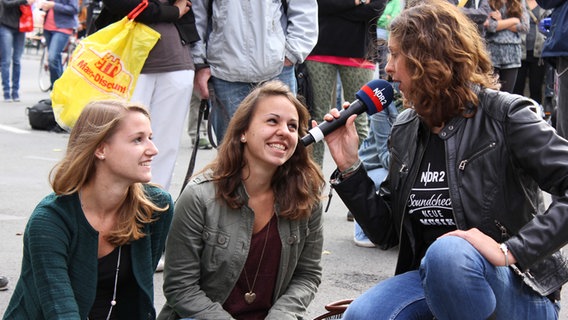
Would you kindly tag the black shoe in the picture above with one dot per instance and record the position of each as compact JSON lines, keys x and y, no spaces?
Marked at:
{"x":3,"y":283}
{"x":204,"y":144}
{"x":349,"y":216}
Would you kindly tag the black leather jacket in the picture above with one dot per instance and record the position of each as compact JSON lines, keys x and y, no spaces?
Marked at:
{"x":494,"y":162}
{"x":10,"y":12}
{"x":114,"y":10}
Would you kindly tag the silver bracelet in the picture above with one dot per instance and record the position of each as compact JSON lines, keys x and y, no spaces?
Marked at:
{"x":505,"y":250}
{"x":351,"y":169}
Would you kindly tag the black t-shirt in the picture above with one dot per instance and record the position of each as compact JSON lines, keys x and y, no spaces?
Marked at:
{"x":429,"y":206}
{"x":127,"y":289}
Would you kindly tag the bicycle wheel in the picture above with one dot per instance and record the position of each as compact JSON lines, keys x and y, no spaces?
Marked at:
{"x":43,"y":78}
{"x":68,"y":51}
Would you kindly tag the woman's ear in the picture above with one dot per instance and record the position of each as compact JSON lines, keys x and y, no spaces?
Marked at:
{"x":100,"y":152}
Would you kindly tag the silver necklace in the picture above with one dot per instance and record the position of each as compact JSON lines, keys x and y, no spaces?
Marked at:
{"x":113,"y":301}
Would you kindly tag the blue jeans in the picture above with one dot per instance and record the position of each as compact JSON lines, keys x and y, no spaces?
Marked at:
{"x":56,"y":42}
{"x":230,"y":95}
{"x":11,"y":50}
{"x":454,"y":282}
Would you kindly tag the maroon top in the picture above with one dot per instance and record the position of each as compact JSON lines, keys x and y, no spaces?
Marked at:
{"x":265,"y":281}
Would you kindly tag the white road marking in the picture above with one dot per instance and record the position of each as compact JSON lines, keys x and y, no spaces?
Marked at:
{"x":13,"y":130}
{"x":6,"y":217}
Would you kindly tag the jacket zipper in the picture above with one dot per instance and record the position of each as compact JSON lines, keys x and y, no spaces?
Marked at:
{"x":504,"y":233}
{"x":476,"y":155}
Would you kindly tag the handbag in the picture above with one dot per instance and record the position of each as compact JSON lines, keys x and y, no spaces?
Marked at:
{"x":105,"y":65}
{"x":40,"y":116}
{"x":26,"y":18}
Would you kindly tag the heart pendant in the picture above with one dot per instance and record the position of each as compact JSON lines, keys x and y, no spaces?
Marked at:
{"x":250,"y":297}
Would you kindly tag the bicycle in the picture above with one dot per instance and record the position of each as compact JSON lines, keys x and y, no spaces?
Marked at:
{"x":44,"y":79}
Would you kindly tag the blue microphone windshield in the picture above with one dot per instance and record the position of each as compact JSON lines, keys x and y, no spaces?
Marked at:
{"x":376,"y":95}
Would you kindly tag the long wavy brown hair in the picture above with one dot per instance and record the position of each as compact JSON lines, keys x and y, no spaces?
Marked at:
{"x":514,"y":7}
{"x":98,"y":122}
{"x":298,"y":183}
{"x":446,"y":59}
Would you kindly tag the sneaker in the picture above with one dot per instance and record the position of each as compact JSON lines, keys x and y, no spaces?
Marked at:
{"x":7,"y":97}
{"x":160,"y":266}
{"x":3,"y":283}
{"x":360,"y":238}
{"x":15,"y":97}
{"x":204,"y":144}
{"x":365,"y":243}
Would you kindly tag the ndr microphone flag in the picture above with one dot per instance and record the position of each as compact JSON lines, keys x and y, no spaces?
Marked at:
{"x":372,"y":98}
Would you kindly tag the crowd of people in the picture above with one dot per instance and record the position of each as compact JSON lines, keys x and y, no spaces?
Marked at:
{"x":451,"y":172}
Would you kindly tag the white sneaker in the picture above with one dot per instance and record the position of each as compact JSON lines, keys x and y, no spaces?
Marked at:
{"x":160,"y":266}
{"x":365,"y":243}
{"x":360,"y":238}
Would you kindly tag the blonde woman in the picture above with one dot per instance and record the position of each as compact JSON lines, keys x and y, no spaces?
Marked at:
{"x":91,"y":247}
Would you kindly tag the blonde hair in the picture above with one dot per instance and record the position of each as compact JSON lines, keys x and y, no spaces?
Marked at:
{"x":98,"y":122}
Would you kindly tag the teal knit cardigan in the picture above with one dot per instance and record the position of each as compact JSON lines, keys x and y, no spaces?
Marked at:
{"x":58,"y":279}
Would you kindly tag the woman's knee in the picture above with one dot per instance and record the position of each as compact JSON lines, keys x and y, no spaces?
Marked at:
{"x":450,"y":258}
{"x":398,"y":297}
{"x":448,"y":255}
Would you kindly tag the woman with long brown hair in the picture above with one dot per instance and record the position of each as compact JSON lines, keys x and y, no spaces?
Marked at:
{"x":246,"y":240}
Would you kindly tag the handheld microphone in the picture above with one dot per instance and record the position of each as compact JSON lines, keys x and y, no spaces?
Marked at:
{"x":372,"y":97}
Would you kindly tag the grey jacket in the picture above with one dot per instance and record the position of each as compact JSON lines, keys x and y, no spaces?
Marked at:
{"x":539,"y":37}
{"x":207,"y":248}
{"x":493,"y":161}
{"x":248,"y":41}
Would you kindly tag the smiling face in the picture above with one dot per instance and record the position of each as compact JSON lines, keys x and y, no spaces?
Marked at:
{"x":397,"y":66}
{"x":272,"y":135}
{"x":128,"y":153}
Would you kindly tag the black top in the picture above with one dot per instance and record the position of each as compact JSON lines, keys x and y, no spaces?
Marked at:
{"x":346,"y":30}
{"x":126,"y":288}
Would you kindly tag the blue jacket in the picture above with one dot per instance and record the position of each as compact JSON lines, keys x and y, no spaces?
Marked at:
{"x":556,"y":44}
{"x":65,"y":14}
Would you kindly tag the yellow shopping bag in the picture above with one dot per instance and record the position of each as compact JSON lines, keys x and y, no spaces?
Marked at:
{"x":105,"y":65}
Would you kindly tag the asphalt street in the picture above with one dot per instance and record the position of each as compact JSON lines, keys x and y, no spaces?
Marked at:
{"x":28,"y":156}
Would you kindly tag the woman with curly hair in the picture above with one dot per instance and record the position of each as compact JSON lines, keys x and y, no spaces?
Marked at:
{"x":461,"y":196}
{"x":91,"y":247}
{"x":246,"y":240}
{"x":504,"y":25}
